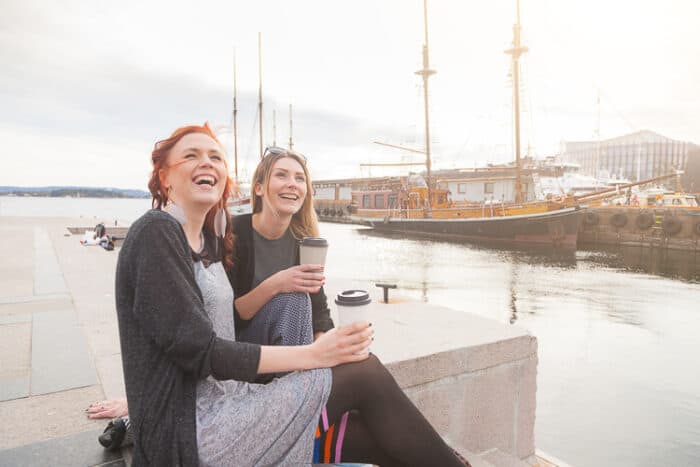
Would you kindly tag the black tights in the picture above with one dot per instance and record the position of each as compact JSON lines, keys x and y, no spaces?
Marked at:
{"x":385,"y":427}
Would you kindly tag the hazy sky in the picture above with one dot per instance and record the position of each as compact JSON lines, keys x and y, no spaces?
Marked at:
{"x":87,"y":87}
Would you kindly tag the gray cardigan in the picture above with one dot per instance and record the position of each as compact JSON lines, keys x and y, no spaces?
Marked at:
{"x":167,"y":341}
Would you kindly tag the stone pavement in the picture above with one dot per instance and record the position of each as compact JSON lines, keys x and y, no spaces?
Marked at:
{"x":59,"y":343}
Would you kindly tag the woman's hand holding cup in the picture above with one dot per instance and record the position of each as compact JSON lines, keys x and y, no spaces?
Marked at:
{"x":343,"y":345}
{"x":307,"y":278}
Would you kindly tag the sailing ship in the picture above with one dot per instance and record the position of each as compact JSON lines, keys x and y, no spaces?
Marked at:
{"x":425,"y":208}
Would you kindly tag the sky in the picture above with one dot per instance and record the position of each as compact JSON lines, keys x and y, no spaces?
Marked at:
{"x":87,"y":87}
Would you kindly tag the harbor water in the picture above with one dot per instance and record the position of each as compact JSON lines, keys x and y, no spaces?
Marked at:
{"x":617,"y":330}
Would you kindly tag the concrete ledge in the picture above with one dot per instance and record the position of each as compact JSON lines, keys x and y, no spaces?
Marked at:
{"x":473,"y":378}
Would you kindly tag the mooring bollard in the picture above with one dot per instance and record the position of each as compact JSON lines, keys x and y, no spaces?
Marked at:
{"x":386,"y":288}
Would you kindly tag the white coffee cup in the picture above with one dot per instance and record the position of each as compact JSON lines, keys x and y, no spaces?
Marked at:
{"x":353,"y":306}
{"x":312,"y":250}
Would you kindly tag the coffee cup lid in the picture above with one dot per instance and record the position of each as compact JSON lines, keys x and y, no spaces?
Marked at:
{"x":314,"y":241}
{"x":352,"y":298}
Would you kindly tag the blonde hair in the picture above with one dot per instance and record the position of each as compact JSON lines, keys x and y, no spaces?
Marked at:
{"x":304,"y":222}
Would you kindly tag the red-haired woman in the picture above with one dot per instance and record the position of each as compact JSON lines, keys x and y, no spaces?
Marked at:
{"x":189,"y":382}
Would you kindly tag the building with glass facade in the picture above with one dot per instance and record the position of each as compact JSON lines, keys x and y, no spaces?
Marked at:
{"x":634,"y":157}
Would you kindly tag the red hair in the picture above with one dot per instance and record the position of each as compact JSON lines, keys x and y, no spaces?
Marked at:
{"x":159,"y":158}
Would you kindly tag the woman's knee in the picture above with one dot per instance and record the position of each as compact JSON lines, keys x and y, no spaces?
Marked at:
{"x":290,"y":307}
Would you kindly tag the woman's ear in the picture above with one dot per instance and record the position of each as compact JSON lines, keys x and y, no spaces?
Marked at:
{"x":163,"y":177}
{"x":259,"y":190}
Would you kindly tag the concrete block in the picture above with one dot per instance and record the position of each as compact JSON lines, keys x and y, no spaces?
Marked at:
{"x":526,"y":408}
{"x":60,"y":358}
{"x":488,"y":409}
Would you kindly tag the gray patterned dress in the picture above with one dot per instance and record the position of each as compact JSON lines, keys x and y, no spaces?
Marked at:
{"x":246,"y":424}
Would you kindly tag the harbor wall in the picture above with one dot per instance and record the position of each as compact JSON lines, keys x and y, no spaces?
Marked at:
{"x":668,"y":228}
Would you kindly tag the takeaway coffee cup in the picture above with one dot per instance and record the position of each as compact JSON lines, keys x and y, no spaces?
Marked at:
{"x":353,"y":305}
{"x":313,"y":250}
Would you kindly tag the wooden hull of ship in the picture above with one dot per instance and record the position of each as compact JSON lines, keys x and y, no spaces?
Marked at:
{"x":557,"y":229}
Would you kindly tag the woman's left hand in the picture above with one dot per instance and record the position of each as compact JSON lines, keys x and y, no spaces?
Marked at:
{"x":108,"y":409}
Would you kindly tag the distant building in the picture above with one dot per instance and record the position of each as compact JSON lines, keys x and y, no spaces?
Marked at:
{"x":636,"y":156}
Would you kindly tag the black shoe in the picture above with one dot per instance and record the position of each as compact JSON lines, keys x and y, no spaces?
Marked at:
{"x":116,"y":435}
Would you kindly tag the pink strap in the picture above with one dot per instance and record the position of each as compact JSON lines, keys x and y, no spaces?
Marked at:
{"x":341,"y":435}
{"x":324,"y":417}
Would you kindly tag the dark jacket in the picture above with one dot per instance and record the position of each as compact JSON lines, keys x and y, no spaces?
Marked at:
{"x":167,"y":341}
{"x":243,"y":271}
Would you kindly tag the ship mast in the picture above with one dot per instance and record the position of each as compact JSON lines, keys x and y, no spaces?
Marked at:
{"x":260,"y":102}
{"x":515,"y":53}
{"x":291,"y":144}
{"x":425,"y":73}
{"x":235,"y":119}
{"x":274,"y":127}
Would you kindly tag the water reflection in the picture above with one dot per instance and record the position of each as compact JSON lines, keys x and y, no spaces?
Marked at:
{"x":675,"y":264}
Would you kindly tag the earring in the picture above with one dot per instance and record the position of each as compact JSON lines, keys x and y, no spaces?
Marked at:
{"x":220,"y":223}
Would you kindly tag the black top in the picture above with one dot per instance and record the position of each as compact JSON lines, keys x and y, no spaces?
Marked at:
{"x":241,"y":275}
{"x":272,"y":256}
{"x":167,"y":341}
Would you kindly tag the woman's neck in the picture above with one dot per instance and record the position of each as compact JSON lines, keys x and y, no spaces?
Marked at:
{"x":194,"y":222}
{"x":193,"y":230}
{"x":269,"y":225}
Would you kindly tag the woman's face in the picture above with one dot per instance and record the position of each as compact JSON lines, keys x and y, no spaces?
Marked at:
{"x":196,"y":173}
{"x":286,"y":188}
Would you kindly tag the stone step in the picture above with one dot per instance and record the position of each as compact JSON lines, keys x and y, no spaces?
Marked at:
{"x":80,"y":449}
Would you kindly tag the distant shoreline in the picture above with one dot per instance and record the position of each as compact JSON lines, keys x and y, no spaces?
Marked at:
{"x":71,"y":192}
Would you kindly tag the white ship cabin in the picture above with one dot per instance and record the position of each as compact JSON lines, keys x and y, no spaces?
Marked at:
{"x":492,"y":189}
{"x":330,"y":190}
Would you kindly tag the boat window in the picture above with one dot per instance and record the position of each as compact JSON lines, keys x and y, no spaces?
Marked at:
{"x":461,"y":188}
{"x":365,"y":201}
{"x":393,"y":204}
{"x":379,"y":201}
{"x":488,"y":188}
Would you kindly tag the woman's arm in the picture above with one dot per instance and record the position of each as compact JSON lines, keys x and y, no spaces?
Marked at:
{"x":335,"y":347}
{"x":304,"y":278}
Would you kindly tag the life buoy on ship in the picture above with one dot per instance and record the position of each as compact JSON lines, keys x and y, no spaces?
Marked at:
{"x":644,"y":220}
{"x":339,"y":212}
{"x":697,"y":228}
{"x":618,"y":220}
{"x":318,"y":211}
{"x":591,"y":218}
{"x":672,"y":225}
{"x":325,"y":212}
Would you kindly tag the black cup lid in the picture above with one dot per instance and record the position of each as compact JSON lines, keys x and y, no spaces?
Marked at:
{"x":314,"y":241}
{"x":352,"y":298}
